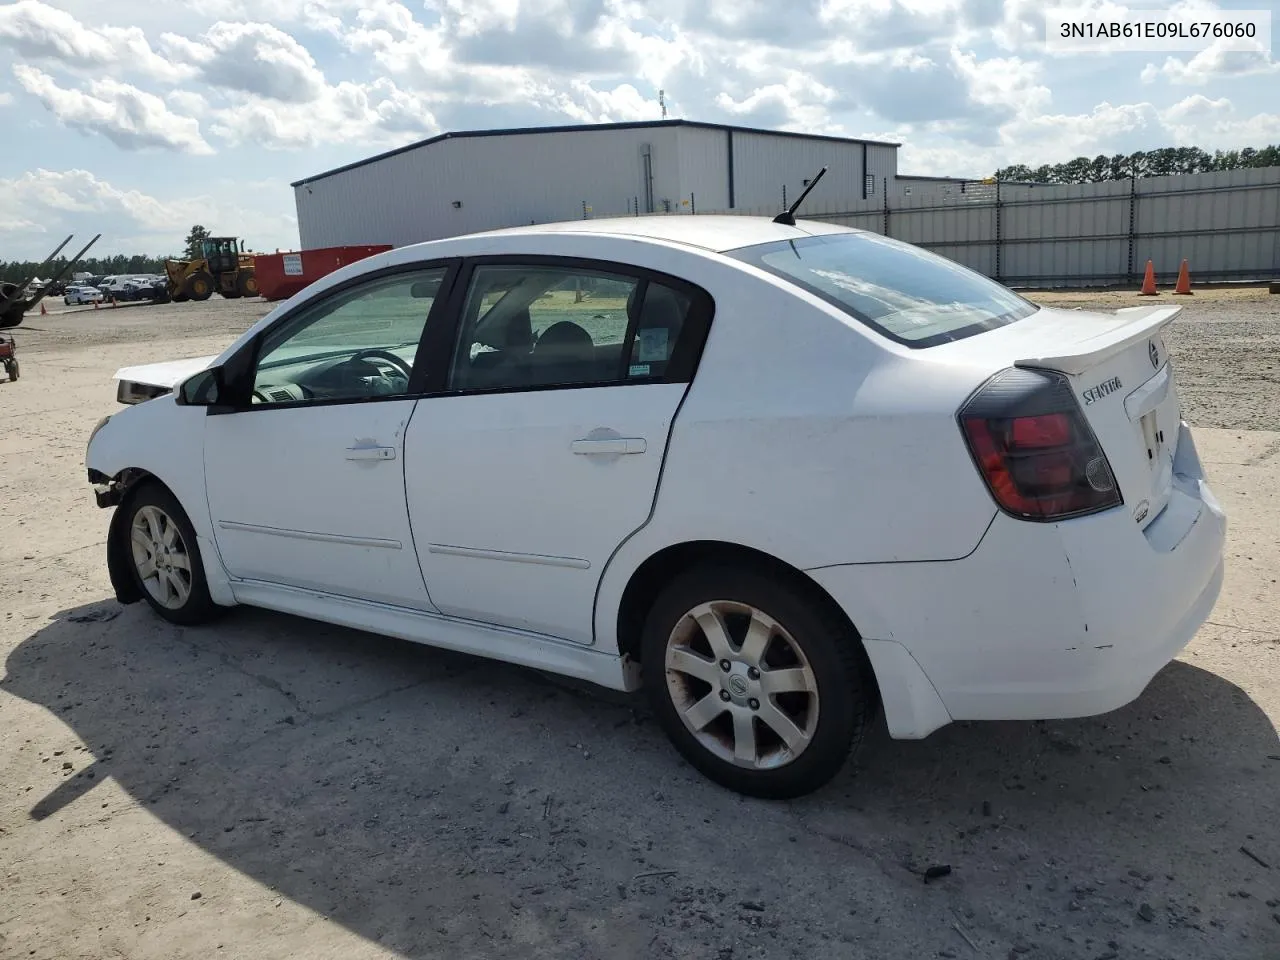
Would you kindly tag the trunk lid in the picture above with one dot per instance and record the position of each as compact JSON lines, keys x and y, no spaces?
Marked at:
{"x":1119,"y":370}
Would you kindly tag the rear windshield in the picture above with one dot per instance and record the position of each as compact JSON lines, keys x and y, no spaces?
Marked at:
{"x":906,"y":293}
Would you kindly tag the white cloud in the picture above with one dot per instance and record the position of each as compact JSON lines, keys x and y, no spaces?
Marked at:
{"x":1214,"y":125}
{"x":131,"y":118}
{"x":256,"y":58}
{"x":75,"y":200}
{"x":586,"y":104}
{"x":1002,"y":82}
{"x":1197,"y":105}
{"x":377,"y":114}
{"x":1210,"y":64}
{"x":799,"y":102}
{"x":37,"y":31}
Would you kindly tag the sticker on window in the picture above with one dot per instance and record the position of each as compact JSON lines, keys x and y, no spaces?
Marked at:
{"x":653,"y":345}
{"x":639,"y":370}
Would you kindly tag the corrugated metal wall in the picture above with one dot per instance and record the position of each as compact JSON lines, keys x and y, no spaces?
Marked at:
{"x":765,"y":168}
{"x":1226,"y":224}
{"x":704,"y":166}
{"x":498,"y":181}
{"x":511,"y":179}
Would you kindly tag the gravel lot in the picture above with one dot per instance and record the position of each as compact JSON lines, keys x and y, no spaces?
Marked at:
{"x":272,"y":788}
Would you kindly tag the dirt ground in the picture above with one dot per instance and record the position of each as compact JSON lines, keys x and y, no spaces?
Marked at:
{"x":275,"y":788}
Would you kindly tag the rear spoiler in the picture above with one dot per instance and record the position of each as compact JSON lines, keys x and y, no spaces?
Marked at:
{"x":1097,"y":344}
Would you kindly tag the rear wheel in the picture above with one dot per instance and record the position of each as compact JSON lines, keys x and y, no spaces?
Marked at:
{"x":164,"y":556}
{"x":247,"y":283}
{"x":200,"y":286}
{"x":181,"y":297}
{"x":758,"y":688}
{"x":11,"y":368}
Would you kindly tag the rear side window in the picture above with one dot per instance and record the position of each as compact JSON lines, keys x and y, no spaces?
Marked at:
{"x":540,"y":325}
{"x":902,"y":291}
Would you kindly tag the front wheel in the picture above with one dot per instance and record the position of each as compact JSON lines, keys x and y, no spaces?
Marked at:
{"x":200,"y":286}
{"x":758,"y":688}
{"x":164,"y":556}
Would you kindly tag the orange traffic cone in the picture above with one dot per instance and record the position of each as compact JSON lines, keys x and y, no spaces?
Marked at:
{"x":95,"y":304}
{"x":113,"y":301}
{"x":1149,"y":282}
{"x":1184,"y":280}
{"x":43,"y":311}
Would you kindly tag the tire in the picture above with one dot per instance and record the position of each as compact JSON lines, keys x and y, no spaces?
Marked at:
{"x":200,"y":286}
{"x":831,"y":700}
{"x":180,"y":297}
{"x":12,"y":369}
{"x":160,"y":534}
{"x":247,"y":284}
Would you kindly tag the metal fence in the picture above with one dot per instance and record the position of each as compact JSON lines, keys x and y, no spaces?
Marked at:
{"x":1225,"y":224}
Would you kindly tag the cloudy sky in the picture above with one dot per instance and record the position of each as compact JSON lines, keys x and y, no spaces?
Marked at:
{"x":138,"y":118}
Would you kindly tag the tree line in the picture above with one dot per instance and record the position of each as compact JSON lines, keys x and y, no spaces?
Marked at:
{"x":1145,"y":163}
{"x":16,"y":271}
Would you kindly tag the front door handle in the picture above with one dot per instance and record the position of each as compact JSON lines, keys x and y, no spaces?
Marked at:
{"x":610,"y":447}
{"x":371,"y":453}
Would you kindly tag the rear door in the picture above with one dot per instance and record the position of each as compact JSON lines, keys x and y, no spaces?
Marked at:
{"x":545,"y":452}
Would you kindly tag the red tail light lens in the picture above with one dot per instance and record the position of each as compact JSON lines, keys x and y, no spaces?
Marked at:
{"x":1034,"y":448}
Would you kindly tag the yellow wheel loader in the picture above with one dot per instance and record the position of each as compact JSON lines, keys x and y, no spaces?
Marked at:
{"x":222,"y":267}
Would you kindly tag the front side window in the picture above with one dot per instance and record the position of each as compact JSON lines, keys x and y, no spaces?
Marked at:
{"x":537,"y":326}
{"x":902,"y":291}
{"x":358,"y":344}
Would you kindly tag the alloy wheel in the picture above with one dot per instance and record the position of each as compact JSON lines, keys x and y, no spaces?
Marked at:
{"x":161,"y":557}
{"x":742,"y":685}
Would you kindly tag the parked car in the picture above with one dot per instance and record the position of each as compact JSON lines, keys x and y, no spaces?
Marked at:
{"x":155,"y":289}
{"x":120,"y":288}
{"x":80,"y":293}
{"x":776,"y":475}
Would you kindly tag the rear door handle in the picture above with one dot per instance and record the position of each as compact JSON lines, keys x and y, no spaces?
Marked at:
{"x":371,"y":453}
{"x":610,"y":447}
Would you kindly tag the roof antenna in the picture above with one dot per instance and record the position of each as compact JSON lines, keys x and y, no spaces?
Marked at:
{"x":788,"y":216}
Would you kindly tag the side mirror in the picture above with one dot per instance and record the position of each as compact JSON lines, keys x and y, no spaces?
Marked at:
{"x":201,"y":390}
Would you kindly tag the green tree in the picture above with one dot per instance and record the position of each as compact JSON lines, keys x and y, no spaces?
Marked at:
{"x":1153,"y":163}
{"x":197,"y":235}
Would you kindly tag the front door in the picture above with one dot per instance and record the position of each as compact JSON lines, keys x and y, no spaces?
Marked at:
{"x":306,"y":484}
{"x":545,"y":452}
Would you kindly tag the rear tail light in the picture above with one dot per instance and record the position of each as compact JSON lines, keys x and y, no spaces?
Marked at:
{"x":1034,"y":448}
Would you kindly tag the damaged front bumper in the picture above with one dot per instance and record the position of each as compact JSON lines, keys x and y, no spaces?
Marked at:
{"x":105,"y":490}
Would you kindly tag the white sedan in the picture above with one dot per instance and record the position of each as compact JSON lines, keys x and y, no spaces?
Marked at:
{"x":780,"y":476}
{"x":79,"y":293}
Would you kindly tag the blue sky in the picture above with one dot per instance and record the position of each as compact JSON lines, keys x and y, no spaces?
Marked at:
{"x":138,"y":118}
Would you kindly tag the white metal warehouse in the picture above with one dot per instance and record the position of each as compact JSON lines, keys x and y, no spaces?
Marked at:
{"x":485,"y":179}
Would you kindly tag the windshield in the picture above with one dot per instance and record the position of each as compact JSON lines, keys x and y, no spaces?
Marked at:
{"x":904,"y":292}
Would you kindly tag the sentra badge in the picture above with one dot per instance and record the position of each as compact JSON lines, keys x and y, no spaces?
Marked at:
{"x":1103,"y":389}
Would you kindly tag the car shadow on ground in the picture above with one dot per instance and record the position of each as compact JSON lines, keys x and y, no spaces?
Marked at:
{"x":434,"y":802}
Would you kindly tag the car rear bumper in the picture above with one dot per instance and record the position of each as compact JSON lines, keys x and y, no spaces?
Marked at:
{"x":1044,"y":621}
